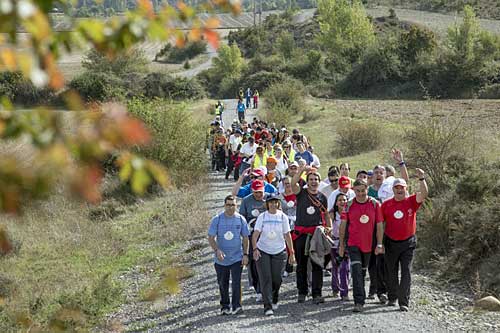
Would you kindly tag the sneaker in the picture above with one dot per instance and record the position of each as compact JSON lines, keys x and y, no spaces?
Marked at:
{"x":335,"y":294}
{"x":275,"y":306}
{"x":382,"y":299}
{"x":318,"y":300}
{"x":345,"y":298}
{"x":225,"y":312}
{"x":392,"y":302}
{"x":370,"y":296}
{"x":258,"y":298}
{"x":403,"y":308}
{"x":269,"y":312}
{"x":358,"y":308}
{"x":301,"y":298}
{"x":285,"y":274}
{"x":237,"y":311}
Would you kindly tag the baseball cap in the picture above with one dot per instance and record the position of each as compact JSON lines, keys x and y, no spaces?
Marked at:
{"x":258,"y":173}
{"x":399,"y":182}
{"x":257,"y":185}
{"x":294,"y":163}
{"x":344,"y":182}
{"x":369,"y":173}
{"x":272,"y":196}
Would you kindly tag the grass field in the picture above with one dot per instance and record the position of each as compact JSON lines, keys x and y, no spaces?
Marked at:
{"x":395,"y":116}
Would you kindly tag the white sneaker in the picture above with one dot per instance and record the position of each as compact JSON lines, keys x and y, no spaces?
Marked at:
{"x":225,"y":312}
{"x":275,"y":306}
{"x":285,"y":274}
{"x":269,"y":312}
{"x":237,"y":311}
{"x":258,"y":297}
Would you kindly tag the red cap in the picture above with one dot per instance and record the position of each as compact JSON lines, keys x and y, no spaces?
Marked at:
{"x":257,"y":185}
{"x":344,"y":182}
{"x":258,"y":173}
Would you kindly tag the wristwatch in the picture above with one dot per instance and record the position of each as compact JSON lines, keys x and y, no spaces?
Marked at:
{"x":380,"y":246}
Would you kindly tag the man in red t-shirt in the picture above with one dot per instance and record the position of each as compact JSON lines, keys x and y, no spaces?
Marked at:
{"x":361,"y":214}
{"x":400,"y":216}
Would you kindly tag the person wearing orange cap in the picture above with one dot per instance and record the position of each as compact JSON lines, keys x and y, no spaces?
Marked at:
{"x":345,"y":188}
{"x":273,"y":175}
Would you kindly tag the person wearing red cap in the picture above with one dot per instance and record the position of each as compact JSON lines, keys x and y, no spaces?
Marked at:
{"x":345,"y":188}
{"x":255,"y":174}
{"x":251,"y":207}
{"x":361,"y":214}
{"x":400,"y":215}
{"x":311,"y":213}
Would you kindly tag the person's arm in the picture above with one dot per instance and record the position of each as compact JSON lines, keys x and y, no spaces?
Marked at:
{"x":244,"y":262}
{"x":343,"y":225}
{"x":398,"y":157}
{"x":237,"y":185}
{"x":380,"y":235}
{"x":296,"y":179}
{"x":424,"y":190}
{"x":255,"y":238}
{"x":213,"y":245}
{"x":328,"y":221}
{"x":291,"y":252}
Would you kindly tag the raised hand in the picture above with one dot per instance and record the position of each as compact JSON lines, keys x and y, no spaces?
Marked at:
{"x":419,"y":173}
{"x":397,"y":155}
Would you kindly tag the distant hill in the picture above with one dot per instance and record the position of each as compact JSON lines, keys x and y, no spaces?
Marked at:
{"x":483,"y":8}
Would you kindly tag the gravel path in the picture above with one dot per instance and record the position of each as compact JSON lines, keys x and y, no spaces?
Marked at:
{"x":196,"y":307}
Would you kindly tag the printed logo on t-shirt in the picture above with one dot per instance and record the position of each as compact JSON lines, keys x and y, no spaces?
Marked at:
{"x":272,"y":235}
{"x":290,"y":204}
{"x":228,"y":235}
{"x":364,"y":219}
{"x":255,"y":212}
{"x":310,"y":210}
{"x":398,"y":214}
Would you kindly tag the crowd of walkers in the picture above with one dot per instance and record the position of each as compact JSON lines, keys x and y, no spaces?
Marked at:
{"x":290,"y":218}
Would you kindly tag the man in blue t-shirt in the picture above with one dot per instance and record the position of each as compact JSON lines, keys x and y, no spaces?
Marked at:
{"x":241,"y":110}
{"x":228,"y":236}
{"x":303,"y":153}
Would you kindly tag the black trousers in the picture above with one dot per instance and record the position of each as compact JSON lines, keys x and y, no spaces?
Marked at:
{"x":223,"y":274}
{"x":359,"y":266}
{"x":253,"y":275}
{"x":399,"y":253}
{"x":376,"y":270}
{"x":231,"y":168}
{"x":299,"y":246}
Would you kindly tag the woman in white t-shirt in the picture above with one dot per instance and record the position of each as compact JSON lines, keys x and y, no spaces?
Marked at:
{"x":270,"y":238}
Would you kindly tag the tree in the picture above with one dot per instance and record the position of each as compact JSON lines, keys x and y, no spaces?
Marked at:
{"x":229,"y":62}
{"x":75,"y":159}
{"x":346,"y":31}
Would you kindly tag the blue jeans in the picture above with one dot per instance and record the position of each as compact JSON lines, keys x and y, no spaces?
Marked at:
{"x":223,"y":273}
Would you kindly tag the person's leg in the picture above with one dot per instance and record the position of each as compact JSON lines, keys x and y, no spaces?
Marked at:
{"x":253,"y":276}
{"x":230,"y":165}
{"x":236,"y":285}
{"x":223,"y":281}
{"x":335,"y":271}
{"x":278,"y":262}
{"x":317,"y":279}
{"x":391,"y":263}
{"x":357,"y":275}
{"x":344,"y":277}
{"x":381,"y":279}
{"x":406,"y":260}
{"x":365,"y":260}
{"x":372,"y":271}
{"x":299,"y":247}
{"x":264,"y":268}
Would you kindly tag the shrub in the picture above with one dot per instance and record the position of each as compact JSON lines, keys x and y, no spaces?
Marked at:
{"x":132,"y":61}
{"x":278,"y":113}
{"x":287,"y":95}
{"x":95,"y":86}
{"x":356,"y":137}
{"x":176,"y":88}
{"x":179,"y":140}
{"x":262,"y":80}
{"x":178,"y":55}
{"x":21,"y":91}
{"x":440,"y":147}
{"x":306,"y":69}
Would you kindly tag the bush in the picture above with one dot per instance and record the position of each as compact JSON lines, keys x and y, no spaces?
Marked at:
{"x":178,"y":55}
{"x":179,"y":140}
{"x":21,"y":91}
{"x":262,"y":80}
{"x":132,"y":61}
{"x":440,"y":147}
{"x":288,"y":95}
{"x":277,"y":113}
{"x":356,"y":137}
{"x":95,"y":86}
{"x":176,"y":88}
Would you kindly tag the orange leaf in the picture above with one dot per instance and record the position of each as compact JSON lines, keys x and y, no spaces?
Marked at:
{"x":147,"y":7}
{"x":5,"y":245}
{"x":134,"y":132}
{"x":8,"y":58}
{"x":195,"y":34}
{"x":212,"y":38}
{"x":87,"y":182}
{"x":212,"y":23}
